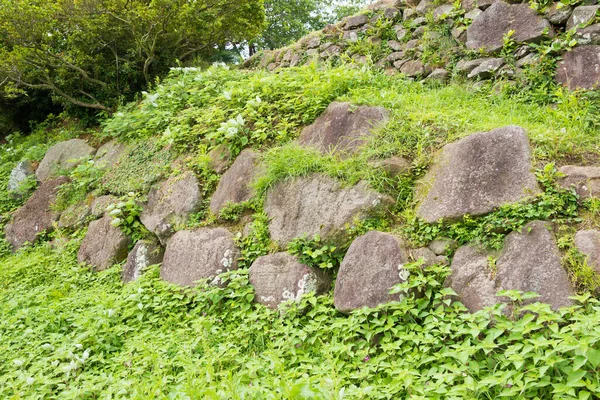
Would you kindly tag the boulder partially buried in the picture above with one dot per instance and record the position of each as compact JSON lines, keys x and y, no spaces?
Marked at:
{"x":63,"y":156}
{"x":36,"y":215}
{"x":580,"y":68}
{"x":585,"y":180}
{"x":489,"y":29}
{"x":281,"y":277}
{"x":529,"y":262}
{"x":317,"y":204}
{"x":104,"y":245}
{"x":171,"y":203}
{"x":194,"y":255}
{"x":343,"y":127}
{"x":588,"y":244}
{"x":143,"y":254}
{"x":478,"y":174}
{"x":234,"y":186}
{"x":18,"y":175}
{"x":372,"y":266}
{"x":109,"y":153}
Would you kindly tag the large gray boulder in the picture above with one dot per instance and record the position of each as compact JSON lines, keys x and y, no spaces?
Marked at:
{"x":588,"y":244}
{"x":104,"y":245}
{"x":194,"y":255}
{"x":36,"y":215}
{"x":19,"y":174}
{"x":109,"y":153}
{"x":529,"y":262}
{"x":489,"y":28}
{"x":170,"y":204}
{"x":317,"y":204}
{"x":343,"y":128}
{"x":372,"y":266}
{"x":144,"y":254}
{"x":585,"y":180}
{"x":477,"y":174}
{"x":63,"y":156}
{"x":281,"y":277}
{"x":580,"y":68}
{"x":235,"y":185}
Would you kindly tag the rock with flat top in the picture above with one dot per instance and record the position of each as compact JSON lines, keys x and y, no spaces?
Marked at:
{"x":585,"y":180}
{"x":478,"y":174}
{"x":63,"y":156}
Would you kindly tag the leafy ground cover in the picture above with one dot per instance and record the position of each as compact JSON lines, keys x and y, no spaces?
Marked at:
{"x":68,"y":332}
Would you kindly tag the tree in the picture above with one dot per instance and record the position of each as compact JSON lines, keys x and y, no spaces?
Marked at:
{"x":288,"y":21}
{"x":96,"y":53}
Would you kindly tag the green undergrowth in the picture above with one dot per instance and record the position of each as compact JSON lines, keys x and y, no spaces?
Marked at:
{"x":67,"y":332}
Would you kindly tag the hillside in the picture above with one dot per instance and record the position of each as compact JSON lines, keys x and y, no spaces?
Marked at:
{"x":323,"y":224}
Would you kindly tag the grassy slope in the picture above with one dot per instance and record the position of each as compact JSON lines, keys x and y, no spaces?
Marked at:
{"x":72,"y":333}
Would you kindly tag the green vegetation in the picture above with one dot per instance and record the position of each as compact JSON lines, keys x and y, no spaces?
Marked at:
{"x":69,"y":332}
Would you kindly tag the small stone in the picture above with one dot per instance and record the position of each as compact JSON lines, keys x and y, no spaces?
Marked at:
{"x":580,"y":68}
{"x":559,"y":13}
{"x":19,"y":174}
{"x":467,"y":66}
{"x":427,"y":256}
{"x":394,"y":45}
{"x":412,"y":44}
{"x":588,"y":35}
{"x":460,"y":35}
{"x":280,"y":277}
{"x":194,"y":255}
{"x":401,"y":33}
{"x":395,"y":56}
{"x":425,"y":6}
{"x":391,"y":13}
{"x":143,"y":255}
{"x":419,"y":22}
{"x":585,"y":180}
{"x":350,"y":36}
{"x":63,"y":156}
{"x":413,"y":68}
{"x":399,"y":63}
{"x":220,"y":157}
{"x":373,"y":264}
{"x":487,"y":69}
{"x":582,"y":15}
{"x":409,"y":13}
{"x":313,"y":42}
{"x":442,"y":11}
{"x":356,"y":21}
{"x":394,"y":166}
{"x":529,"y":59}
{"x":439,"y":74}
{"x":104,"y":245}
{"x":235,"y":185}
{"x":36,"y":215}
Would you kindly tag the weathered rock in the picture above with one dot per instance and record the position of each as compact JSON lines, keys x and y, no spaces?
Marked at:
{"x":580,"y":68}
{"x":394,"y":45}
{"x":401,"y":33}
{"x":529,"y":262}
{"x":235,"y":185}
{"x":409,"y":13}
{"x":588,"y":35}
{"x":372,"y":266}
{"x":414,"y":68}
{"x":476,"y":12}
{"x":488,"y":30}
{"x":280,"y":277}
{"x":395,"y":56}
{"x":441,"y":246}
{"x":194,"y":255}
{"x":385,"y":4}
{"x":394,"y":166}
{"x":356,"y":21}
{"x":143,"y":255}
{"x":467,"y":66}
{"x":317,"y":204}
{"x":104,"y":245}
{"x":585,"y":180}
{"x":331,"y":51}
{"x":100,"y":204}
{"x":441,"y":11}
{"x":582,"y":15}
{"x":529,"y":59}
{"x":343,"y":128}
{"x":425,"y":6}
{"x":19,"y":174}
{"x":63,"y":156}
{"x":459,"y":34}
{"x":588,"y":243}
{"x":109,"y":153}
{"x":479,"y":173}
{"x":427,"y":257}
{"x":473,"y":4}
{"x":313,"y":42}
{"x":559,"y":13}
{"x":350,"y":36}
{"x":74,"y":216}
{"x":487,"y":69}
{"x":170,"y":204}
{"x":472,"y":278}
{"x":36,"y":215}
{"x":439,"y":74}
